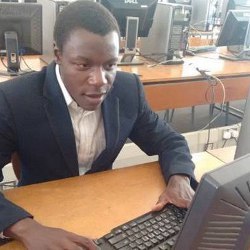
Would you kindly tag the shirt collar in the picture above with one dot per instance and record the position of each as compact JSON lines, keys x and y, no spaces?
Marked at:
{"x":67,"y":97}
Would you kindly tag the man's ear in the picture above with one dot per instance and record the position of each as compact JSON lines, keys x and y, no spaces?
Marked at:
{"x":57,"y":53}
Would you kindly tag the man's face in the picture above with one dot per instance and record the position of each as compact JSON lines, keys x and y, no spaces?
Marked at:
{"x":88,"y":64}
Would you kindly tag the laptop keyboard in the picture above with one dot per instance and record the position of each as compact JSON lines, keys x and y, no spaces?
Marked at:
{"x":154,"y":230}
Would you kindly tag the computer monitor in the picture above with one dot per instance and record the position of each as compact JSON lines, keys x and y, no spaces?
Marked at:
{"x":243,"y":142}
{"x":233,"y":5}
{"x":235,"y":34}
{"x":20,"y":31}
{"x":135,"y":18}
{"x":219,"y":216}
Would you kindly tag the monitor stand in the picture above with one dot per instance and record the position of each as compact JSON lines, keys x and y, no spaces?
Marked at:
{"x":129,"y":58}
{"x":129,"y":55}
{"x":242,"y":55}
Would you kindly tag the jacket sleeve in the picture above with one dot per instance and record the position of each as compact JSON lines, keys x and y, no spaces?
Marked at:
{"x":155,"y":137}
{"x":9,"y":212}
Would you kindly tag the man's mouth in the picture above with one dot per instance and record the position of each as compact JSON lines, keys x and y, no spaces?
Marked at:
{"x":95,"y":98}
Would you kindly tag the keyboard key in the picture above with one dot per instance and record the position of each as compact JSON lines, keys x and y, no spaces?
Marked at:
{"x":108,"y":236}
{"x":129,"y":232}
{"x":122,"y":243}
{"x":142,"y":247}
{"x":165,"y":247}
{"x":133,"y":245}
{"x":117,"y":238}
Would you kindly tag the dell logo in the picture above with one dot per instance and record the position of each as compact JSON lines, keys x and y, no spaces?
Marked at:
{"x":131,"y":1}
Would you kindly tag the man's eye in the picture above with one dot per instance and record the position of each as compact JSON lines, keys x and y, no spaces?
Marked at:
{"x":111,"y":66}
{"x":82,"y":65}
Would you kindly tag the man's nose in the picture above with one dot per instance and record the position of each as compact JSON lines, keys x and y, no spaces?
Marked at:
{"x":98,"y":76}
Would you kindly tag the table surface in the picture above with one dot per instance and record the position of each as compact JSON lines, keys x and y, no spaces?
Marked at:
{"x":188,"y":71}
{"x":179,"y":86}
{"x":92,"y":205}
{"x":168,"y":73}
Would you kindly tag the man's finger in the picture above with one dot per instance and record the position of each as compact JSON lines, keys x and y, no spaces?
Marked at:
{"x":84,"y":242}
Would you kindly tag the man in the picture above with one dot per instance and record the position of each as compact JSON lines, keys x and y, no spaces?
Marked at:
{"x":74,"y":116}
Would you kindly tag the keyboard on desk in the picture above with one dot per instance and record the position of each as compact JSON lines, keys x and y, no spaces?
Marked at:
{"x":202,"y":49}
{"x":154,"y":230}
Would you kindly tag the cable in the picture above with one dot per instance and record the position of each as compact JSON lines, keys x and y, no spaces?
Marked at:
{"x":224,"y":144}
{"x":167,"y":62}
{"x":22,"y":59}
{"x":10,"y":72}
{"x":2,"y":61}
{"x":25,"y":71}
{"x":213,"y":81}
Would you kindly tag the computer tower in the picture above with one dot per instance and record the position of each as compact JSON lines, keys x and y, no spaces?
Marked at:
{"x":51,"y":8}
{"x":168,"y":35}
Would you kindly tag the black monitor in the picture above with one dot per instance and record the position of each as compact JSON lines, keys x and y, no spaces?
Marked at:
{"x":135,"y":18}
{"x":235,"y":34}
{"x":233,"y":5}
{"x":219,"y":216}
{"x":243,"y":142}
{"x":20,"y":31}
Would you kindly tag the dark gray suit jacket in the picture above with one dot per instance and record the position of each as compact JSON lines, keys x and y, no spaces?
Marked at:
{"x":35,"y":122}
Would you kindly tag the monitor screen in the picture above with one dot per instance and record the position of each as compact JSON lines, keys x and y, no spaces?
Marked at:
{"x":143,"y":9}
{"x":235,"y":30}
{"x":26,"y":20}
{"x":219,"y":216}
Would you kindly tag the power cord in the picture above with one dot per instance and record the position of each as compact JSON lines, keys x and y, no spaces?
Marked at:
{"x":9,"y":72}
{"x":213,"y":81}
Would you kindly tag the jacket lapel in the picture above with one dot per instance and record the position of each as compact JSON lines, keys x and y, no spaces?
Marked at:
{"x":59,"y":119}
{"x":111,"y":119}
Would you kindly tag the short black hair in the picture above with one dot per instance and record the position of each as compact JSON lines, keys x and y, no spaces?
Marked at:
{"x":84,"y":14}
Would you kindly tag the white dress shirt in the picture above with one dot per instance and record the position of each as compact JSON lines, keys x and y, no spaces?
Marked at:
{"x":88,"y":129}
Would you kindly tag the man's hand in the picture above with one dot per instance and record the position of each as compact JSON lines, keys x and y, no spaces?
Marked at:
{"x":35,"y":236}
{"x":178,"y":192}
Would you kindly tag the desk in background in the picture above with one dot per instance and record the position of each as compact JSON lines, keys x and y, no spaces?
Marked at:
{"x":92,"y":205}
{"x":179,"y":86}
{"x":225,"y":154}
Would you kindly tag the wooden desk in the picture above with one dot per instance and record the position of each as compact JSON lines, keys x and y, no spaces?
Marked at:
{"x":33,"y":62}
{"x":177,"y":86}
{"x":92,"y":205}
